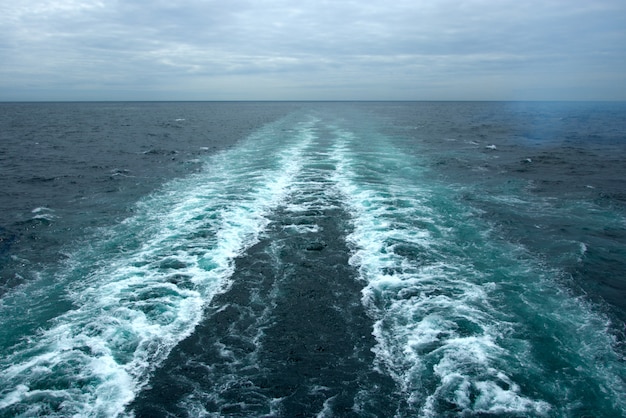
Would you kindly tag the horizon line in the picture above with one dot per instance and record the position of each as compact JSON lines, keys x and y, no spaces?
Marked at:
{"x":321,"y":101}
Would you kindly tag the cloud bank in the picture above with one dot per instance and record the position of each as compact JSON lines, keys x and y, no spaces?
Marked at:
{"x":313,"y":50}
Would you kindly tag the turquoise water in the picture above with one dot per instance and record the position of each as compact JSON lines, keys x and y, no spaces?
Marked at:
{"x":342,"y":260}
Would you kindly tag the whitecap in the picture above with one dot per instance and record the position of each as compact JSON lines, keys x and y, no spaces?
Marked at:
{"x":441,"y":330}
{"x":41,"y":209}
{"x":141,"y":287}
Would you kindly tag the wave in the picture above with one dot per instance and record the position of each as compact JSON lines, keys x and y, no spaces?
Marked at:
{"x":140,"y":288}
{"x":463,"y":318}
{"x":466,"y":321}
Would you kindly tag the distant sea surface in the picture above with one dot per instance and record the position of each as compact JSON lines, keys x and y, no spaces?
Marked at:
{"x":340,"y":259}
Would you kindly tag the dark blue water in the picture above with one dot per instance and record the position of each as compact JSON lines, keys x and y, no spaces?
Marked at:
{"x":313,"y":259}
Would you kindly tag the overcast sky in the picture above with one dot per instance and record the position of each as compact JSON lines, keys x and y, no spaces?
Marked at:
{"x":313,"y":50}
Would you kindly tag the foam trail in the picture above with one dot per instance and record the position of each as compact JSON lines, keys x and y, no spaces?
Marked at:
{"x":462,"y":318}
{"x":141,"y":288}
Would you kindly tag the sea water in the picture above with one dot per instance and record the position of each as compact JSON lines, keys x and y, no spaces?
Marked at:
{"x":313,"y":259}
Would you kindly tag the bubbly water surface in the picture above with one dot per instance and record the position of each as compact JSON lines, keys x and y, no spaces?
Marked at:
{"x":337,"y":259}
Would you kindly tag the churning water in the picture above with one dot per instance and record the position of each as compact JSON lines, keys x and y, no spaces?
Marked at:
{"x":313,"y":259}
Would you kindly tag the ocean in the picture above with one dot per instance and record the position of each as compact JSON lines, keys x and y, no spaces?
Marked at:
{"x":318,"y":259}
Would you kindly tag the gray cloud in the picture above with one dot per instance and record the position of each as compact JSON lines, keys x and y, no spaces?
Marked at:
{"x":313,"y":49}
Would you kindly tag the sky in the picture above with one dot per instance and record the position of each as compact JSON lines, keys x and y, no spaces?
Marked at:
{"x":312,"y":50}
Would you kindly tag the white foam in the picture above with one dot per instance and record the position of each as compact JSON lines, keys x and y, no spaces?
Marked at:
{"x":151,"y":279}
{"x":44,"y":213}
{"x":327,"y":409}
{"x":434,"y":316}
{"x":45,"y":216}
{"x":303,"y":229}
{"x":41,"y":209}
{"x":14,"y":396}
